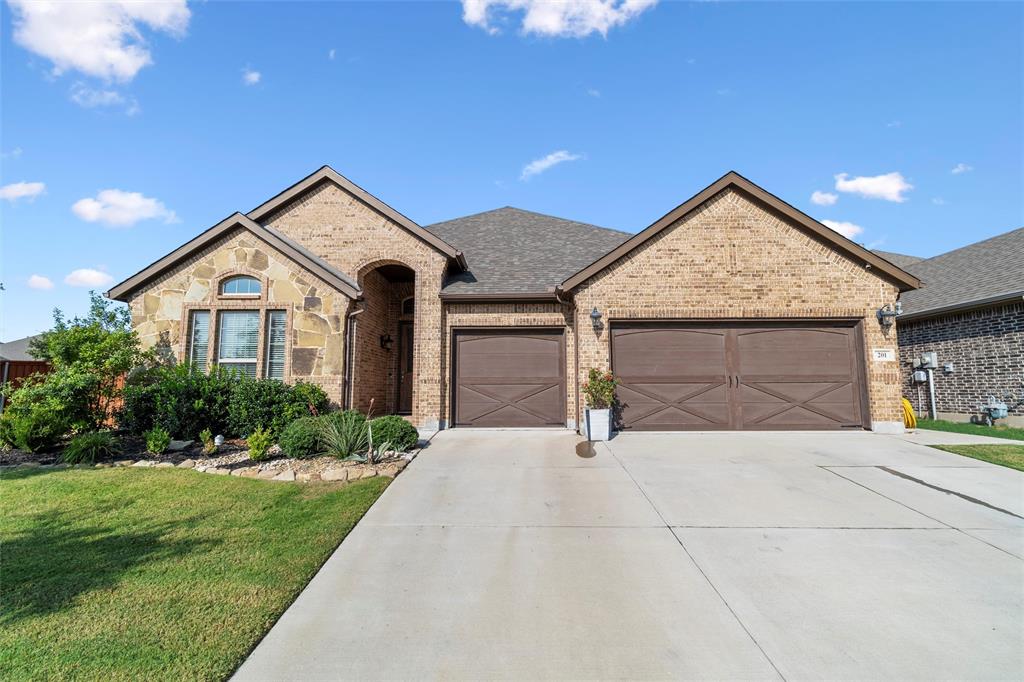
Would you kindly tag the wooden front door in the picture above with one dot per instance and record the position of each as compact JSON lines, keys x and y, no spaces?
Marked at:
{"x":405,"y":367}
{"x":712,"y":377}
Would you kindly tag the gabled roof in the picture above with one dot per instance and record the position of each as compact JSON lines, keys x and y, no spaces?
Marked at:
{"x":880,"y":266}
{"x":983,"y":273}
{"x":328,"y":174}
{"x":17,"y":350}
{"x":321,"y":268}
{"x":512,"y":251}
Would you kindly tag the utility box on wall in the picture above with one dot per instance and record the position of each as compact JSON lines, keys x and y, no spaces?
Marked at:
{"x":929,"y":360}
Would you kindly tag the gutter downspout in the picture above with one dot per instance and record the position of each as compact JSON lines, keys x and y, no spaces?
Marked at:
{"x":350,"y":337}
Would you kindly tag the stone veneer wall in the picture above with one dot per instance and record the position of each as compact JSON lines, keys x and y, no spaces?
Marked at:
{"x":463,"y":315}
{"x":986,"y":348}
{"x":316,"y":312}
{"x":731,"y":258}
{"x":353,"y":237}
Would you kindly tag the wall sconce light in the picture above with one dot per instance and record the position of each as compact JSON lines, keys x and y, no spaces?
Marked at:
{"x":888,"y":313}
{"x":595,"y":315}
{"x":385,"y":341}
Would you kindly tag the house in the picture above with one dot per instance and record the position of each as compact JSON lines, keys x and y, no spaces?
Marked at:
{"x":16,"y":364}
{"x":732,"y":311}
{"x":970,"y":312}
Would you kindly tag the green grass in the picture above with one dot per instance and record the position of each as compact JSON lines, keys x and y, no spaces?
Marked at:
{"x":1005,"y":455}
{"x":974,"y":429}
{"x":129,"y":574}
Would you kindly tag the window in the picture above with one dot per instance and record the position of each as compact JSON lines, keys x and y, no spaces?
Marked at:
{"x":238,"y":334}
{"x":198,"y":338}
{"x":409,"y":306}
{"x":241,"y":285}
{"x":274,"y":363}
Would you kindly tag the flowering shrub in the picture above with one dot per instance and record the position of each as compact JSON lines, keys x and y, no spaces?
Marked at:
{"x":599,"y":389}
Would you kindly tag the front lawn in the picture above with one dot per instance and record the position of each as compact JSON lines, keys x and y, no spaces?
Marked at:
{"x":974,"y":429}
{"x":1006,"y":455}
{"x":129,"y":574}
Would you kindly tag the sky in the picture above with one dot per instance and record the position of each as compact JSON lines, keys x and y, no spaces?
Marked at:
{"x":127,"y":129}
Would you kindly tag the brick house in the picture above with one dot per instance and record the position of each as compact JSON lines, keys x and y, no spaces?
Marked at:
{"x":970,"y":312}
{"x":732,"y":311}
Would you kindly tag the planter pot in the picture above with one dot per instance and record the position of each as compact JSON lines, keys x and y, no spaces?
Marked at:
{"x":597,"y":424}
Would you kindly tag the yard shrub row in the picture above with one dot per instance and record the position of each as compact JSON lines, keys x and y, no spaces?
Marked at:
{"x":344,"y":434}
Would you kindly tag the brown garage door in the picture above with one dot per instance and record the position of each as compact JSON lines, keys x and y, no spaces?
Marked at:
{"x":509,"y":378}
{"x":794,"y":376}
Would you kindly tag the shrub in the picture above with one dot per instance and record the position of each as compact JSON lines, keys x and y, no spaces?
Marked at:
{"x":599,"y":389}
{"x":86,"y":448}
{"x":34,"y":427}
{"x":259,"y":442}
{"x":157,"y":440}
{"x":301,"y":438}
{"x":343,"y":434}
{"x":272,"y":405}
{"x":209,"y":445}
{"x":394,"y":430}
{"x":181,"y":400}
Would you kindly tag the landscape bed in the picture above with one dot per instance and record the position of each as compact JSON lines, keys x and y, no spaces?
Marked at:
{"x":136,"y":573}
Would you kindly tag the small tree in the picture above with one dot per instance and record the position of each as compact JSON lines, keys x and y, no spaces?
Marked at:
{"x":89,"y":357}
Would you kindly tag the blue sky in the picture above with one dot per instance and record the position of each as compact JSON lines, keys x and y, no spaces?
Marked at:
{"x":626,"y":110}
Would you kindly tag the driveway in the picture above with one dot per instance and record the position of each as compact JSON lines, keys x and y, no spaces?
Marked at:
{"x":506,"y":555}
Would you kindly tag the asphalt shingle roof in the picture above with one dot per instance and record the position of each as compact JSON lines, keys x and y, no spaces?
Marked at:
{"x":510,"y":250}
{"x":902,"y":260}
{"x":977,"y":272}
{"x":17,"y":349}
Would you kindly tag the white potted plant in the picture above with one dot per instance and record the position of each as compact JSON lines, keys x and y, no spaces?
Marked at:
{"x":599,"y":393}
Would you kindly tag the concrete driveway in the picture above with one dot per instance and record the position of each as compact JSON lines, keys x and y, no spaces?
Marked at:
{"x":505,"y":555}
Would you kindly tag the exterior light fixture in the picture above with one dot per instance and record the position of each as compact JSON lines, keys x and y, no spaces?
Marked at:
{"x":888,"y":313}
{"x":386,"y":341}
{"x":595,"y":315}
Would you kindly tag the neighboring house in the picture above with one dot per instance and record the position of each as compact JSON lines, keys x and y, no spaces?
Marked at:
{"x":970,"y":312}
{"x":734,"y":310}
{"x":16,"y":364}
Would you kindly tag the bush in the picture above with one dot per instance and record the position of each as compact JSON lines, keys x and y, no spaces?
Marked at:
{"x":86,"y":448}
{"x":394,"y":430}
{"x":181,"y":400}
{"x":209,"y":445}
{"x":272,"y":405}
{"x":34,"y":427}
{"x":301,"y":438}
{"x":157,"y":440}
{"x":343,"y":434}
{"x":259,"y":442}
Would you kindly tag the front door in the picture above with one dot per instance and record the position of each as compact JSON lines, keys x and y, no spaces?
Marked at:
{"x":405,"y":373}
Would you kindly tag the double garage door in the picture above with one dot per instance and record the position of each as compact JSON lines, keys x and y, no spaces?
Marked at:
{"x":674,"y":376}
{"x":707,"y":377}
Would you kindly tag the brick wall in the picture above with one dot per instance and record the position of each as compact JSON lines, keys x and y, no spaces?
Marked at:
{"x":350,"y":235}
{"x":733,"y":259}
{"x":986,"y":348}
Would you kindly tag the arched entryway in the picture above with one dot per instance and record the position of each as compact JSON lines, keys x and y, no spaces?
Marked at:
{"x":383,"y":367}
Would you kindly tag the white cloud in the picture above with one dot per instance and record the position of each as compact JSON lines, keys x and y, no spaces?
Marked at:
{"x":938,"y":201}
{"x":13,"y":154}
{"x":824,"y":198}
{"x":538,"y":166}
{"x":894,"y":124}
{"x":40,"y":282}
{"x":961,"y":168}
{"x":723,"y":92}
{"x":91,"y":98}
{"x":848,"y":230}
{"x":331,"y":53}
{"x":87,"y":277}
{"x":890,"y":186}
{"x":101,"y":39}
{"x":121,"y":209}
{"x":564,"y":18}
{"x":22,"y":190}
{"x":250,"y":77}
{"x":593,"y":92}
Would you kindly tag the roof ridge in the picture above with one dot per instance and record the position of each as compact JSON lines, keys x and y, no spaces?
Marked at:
{"x":971,"y":245}
{"x":536,"y":213}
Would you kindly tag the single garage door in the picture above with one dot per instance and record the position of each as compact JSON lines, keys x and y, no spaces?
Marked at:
{"x":707,"y":377}
{"x":509,"y":378}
